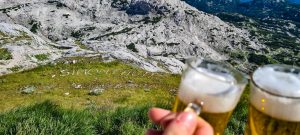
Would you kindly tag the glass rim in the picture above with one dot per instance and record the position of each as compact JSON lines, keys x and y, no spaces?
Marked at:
{"x":264,"y":90}
{"x":233,"y":72}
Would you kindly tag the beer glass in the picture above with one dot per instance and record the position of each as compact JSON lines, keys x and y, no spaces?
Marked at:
{"x":274,"y":101}
{"x":213,"y":87}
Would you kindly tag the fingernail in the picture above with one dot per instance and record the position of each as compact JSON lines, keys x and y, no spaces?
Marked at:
{"x":186,"y":118}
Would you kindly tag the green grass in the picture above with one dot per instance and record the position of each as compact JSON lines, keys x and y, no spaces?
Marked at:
{"x":132,"y":120}
{"x":42,"y":57}
{"x":15,"y":68}
{"x":4,"y":38}
{"x":120,"y":109}
{"x":52,"y":81}
{"x":48,"y":118}
{"x":82,"y":46}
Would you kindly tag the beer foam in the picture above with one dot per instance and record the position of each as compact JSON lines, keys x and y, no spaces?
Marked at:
{"x":285,"y":84}
{"x":278,"y":82}
{"x":218,"y":96}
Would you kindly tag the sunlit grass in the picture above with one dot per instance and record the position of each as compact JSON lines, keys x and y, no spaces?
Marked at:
{"x":120,"y":109}
{"x":123,"y":85}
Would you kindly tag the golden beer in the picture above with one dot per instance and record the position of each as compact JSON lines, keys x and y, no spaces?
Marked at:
{"x":216,"y":120}
{"x":216,"y":88}
{"x":275,"y":101}
{"x":262,"y":124}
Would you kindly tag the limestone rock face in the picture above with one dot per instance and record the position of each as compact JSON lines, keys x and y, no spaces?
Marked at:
{"x":156,"y":35}
{"x":27,"y":50}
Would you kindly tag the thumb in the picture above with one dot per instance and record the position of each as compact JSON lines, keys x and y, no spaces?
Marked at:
{"x":184,"y":124}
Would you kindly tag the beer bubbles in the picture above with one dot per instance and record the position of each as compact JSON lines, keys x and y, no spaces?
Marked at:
{"x":210,"y":89}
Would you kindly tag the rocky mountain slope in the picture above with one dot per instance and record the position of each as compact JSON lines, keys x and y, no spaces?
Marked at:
{"x":274,"y":23}
{"x":156,"y":35}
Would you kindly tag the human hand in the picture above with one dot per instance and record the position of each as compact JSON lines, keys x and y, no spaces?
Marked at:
{"x":184,"y":123}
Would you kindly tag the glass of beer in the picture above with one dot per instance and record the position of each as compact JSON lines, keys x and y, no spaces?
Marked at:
{"x":274,"y":101}
{"x":214,"y":87}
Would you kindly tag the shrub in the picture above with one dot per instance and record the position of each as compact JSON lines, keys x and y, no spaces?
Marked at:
{"x":77,"y":34}
{"x":131,"y":47}
{"x":35,"y":26}
{"x":258,"y":59}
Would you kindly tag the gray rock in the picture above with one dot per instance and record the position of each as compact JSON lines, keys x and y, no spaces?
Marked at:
{"x":76,"y":86}
{"x":129,"y":81}
{"x":96,"y":91}
{"x":67,"y":94}
{"x":28,"y":90}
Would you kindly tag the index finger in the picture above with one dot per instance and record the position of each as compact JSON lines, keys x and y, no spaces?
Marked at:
{"x":157,"y":114}
{"x":203,"y":127}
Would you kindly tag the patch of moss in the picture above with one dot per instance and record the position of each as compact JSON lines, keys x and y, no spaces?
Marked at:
{"x":15,"y":68}
{"x":5,"y":54}
{"x":82,"y":46}
{"x":42,"y":57}
{"x":23,"y":36}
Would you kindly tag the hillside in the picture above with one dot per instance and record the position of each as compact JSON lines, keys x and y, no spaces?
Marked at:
{"x":154,"y":35}
{"x":273,"y":23}
{"x":89,"y":97}
{"x":70,"y":81}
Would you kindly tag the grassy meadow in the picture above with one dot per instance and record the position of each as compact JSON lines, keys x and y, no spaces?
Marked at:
{"x":61,"y":103}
